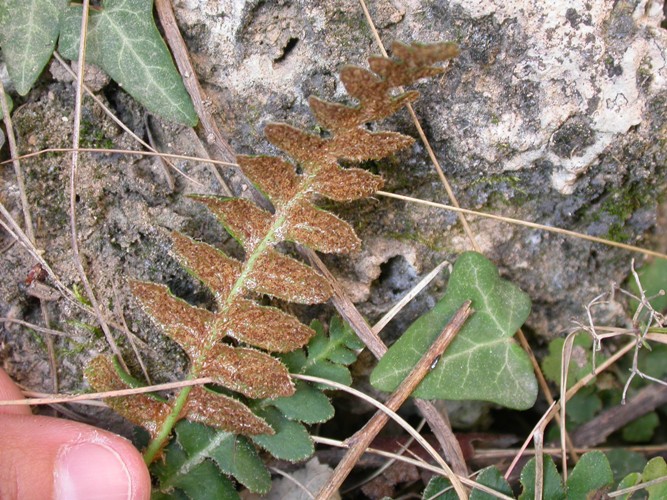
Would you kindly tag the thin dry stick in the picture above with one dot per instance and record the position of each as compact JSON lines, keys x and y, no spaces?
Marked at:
{"x":72,"y":188}
{"x":163,"y":162}
{"x":18,"y":171}
{"x":362,"y":439}
{"x":436,"y":421}
{"x":127,"y":152}
{"x":393,"y":415}
{"x":637,"y":487}
{"x":405,"y":447}
{"x":294,"y":481}
{"x":509,"y":220}
{"x":128,"y":334}
{"x":423,"y":283}
{"x":37,"y":328}
{"x":417,"y":462}
{"x":566,"y":355}
{"x":422,"y":135}
{"x":498,"y":453}
{"x":540,"y":425}
{"x":59,"y":398}
{"x":533,"y":225}
{"x":179,"y":50}
{"x":538,"y":439}
{"x":17,"y":233}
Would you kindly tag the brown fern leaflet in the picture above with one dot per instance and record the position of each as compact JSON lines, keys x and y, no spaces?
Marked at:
{"x":246,"y":369}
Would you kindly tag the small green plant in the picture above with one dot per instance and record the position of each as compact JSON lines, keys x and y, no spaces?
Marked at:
{"x":122,"y":40}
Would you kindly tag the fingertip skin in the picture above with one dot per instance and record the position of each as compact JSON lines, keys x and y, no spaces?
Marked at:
{"x":50,"y":458}
{"x":9,"y":391}
{"x":32,"y":446}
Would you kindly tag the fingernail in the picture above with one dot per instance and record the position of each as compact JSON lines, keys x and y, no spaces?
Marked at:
{"x":91,"y":471}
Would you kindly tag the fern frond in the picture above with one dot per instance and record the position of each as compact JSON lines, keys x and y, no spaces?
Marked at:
{"x":258,"y":397}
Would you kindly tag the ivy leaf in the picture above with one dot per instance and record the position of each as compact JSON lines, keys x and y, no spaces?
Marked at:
{"x":124,"y":41}
{"x":483,"y":362}
{"x":591,"y":473}
{"x":28,"y":33}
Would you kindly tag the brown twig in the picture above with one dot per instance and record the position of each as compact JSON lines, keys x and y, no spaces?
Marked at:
{"x":363,"y":438}
{"x":597,"y":430}
{"x":178,"y":48}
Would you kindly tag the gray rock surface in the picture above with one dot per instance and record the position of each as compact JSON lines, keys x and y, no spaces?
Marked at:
{"x":554,"y":112}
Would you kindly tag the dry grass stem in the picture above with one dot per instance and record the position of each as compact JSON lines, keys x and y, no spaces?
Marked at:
{"x":637,"y":487}
{"x":424,"y":139}
{"x":293,"y":480}
{"x":423,"y":283}
{"x":37,"y":328}
{"x":417,"y":462}
{"x":538,"y":441}
{"x":58,"y":398}
{"x":179,"y":50}
{"x":72,"y":188}
{"x":533,"y":225}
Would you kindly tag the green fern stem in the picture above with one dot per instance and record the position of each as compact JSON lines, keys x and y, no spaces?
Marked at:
{"x":158,"y":442}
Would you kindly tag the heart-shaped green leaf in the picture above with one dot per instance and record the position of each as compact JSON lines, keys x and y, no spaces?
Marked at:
{"x":124,"y":41}
{"x":483,"y":362}
{"x":28,"y":34}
